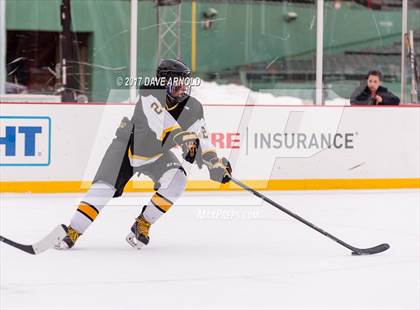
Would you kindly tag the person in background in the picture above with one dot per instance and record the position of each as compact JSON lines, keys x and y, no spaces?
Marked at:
{"x":371,"y":92}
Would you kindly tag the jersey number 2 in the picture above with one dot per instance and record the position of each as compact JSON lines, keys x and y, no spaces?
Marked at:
{"x":156,"y":108}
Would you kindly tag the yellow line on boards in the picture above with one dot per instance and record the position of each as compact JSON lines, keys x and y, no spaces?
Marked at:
{"x":195,"y":185}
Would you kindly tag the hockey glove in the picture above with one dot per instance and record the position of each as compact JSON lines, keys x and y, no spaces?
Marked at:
{"x":219,"y":168}
{"x":125,"y":130}
{"x":189,"y":143}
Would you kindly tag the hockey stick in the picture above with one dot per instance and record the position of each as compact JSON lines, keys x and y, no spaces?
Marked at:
{"x":355,"y":251}
{"x":52,"y":238}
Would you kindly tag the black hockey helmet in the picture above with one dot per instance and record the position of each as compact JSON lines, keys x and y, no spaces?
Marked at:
{"x":169,"y":68}
{"x":178,"y":79}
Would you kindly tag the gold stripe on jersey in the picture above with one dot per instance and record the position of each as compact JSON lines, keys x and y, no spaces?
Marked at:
{"x":168,"y":130}
{"x":88,"y":210}
{"x":132,"y":156}
{"x":160,"y":202}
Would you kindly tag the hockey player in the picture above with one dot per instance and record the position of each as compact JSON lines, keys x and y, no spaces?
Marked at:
{"x":166,"y":116}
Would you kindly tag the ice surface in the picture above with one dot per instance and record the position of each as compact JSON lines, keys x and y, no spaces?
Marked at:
{"x":218,"y":251}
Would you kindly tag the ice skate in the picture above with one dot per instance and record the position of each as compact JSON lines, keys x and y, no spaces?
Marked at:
{"x":69,"y":240}
{"x":139,"y":234}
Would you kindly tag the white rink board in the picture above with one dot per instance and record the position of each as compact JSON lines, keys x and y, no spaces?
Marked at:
{"x":382,"y":142}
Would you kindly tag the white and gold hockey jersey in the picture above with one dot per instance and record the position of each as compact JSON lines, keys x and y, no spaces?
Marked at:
{"x":155,"y":125}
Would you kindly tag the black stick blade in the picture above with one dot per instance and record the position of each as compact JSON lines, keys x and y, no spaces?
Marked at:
{"x":23,"y":247}
{"x":369,"y":251}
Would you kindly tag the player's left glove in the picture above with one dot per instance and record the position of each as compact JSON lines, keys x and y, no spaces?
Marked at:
{"x":219,"y":168}
{"x":189,"y":143}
